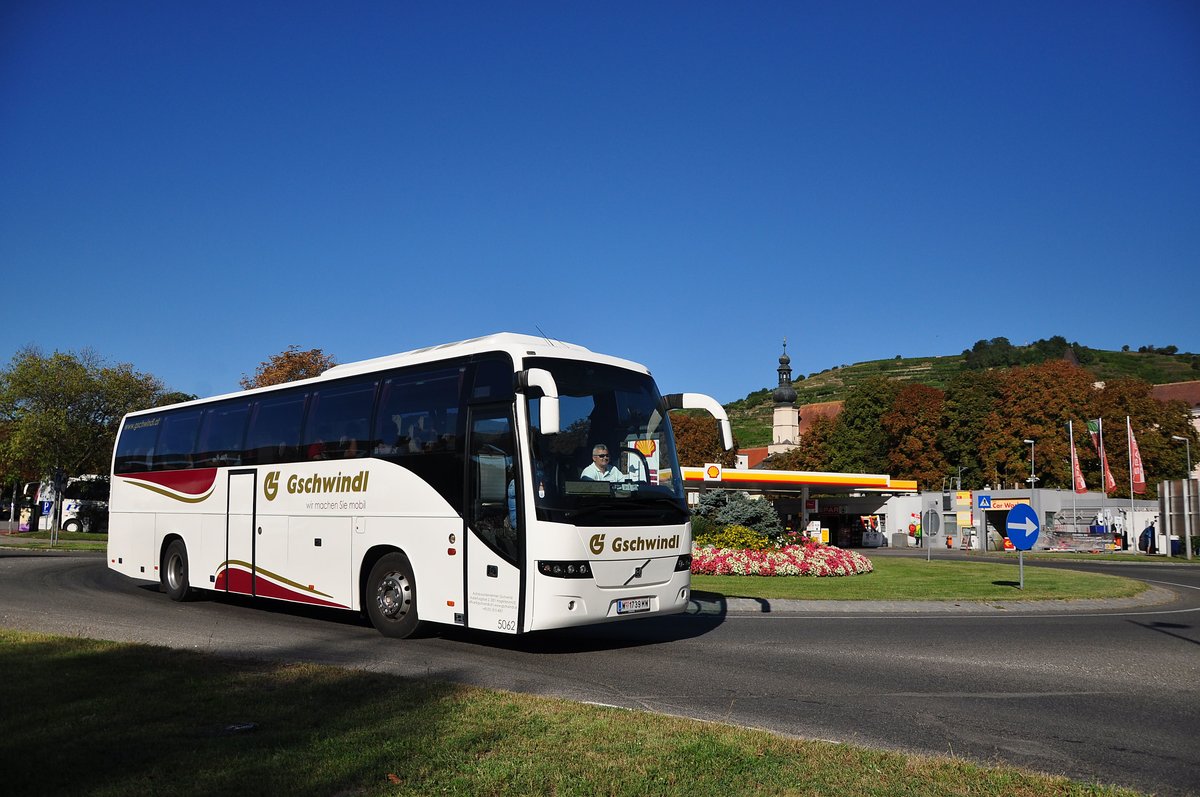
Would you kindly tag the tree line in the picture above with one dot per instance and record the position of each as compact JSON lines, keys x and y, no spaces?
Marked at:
{"x":976,"y":429}
{"x":978,"y":425}
{"x":63,"y":410}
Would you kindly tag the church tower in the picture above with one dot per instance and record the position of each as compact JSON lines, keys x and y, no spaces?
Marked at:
{"x":786,"y":419}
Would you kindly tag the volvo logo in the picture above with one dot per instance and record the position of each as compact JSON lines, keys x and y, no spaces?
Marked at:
{"x":637,"y":572}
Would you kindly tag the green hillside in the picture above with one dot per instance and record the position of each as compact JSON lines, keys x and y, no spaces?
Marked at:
{"x":751,"y":416}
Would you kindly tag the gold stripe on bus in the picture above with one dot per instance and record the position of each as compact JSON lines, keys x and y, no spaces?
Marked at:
{"x":258,"y":571}
{"x":154,"y":488}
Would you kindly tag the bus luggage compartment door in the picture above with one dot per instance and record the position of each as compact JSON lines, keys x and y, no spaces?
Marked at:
{"x":238,"y":572}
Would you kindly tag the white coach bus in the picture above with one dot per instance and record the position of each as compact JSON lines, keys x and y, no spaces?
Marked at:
{"x":444,"y":485}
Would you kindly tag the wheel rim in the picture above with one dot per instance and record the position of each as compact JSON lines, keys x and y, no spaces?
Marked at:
{"x":393,"y":596}
{"x":175,"y":571}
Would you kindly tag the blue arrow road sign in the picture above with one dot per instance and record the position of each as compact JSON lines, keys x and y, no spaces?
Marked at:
{"x":985,"y":502}
{"x":1023,"y":526}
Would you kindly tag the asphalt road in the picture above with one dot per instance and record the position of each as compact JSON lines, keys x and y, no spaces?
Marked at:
{"x":1110,"y":694}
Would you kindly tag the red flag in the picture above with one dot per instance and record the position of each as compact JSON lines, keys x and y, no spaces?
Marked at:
{"x":1096,"y":428}
{"x":1076,"y":473}
{"x":1136,"y":471}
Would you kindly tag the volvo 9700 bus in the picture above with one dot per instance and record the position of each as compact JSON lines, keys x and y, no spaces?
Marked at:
{"x":449,"y":484}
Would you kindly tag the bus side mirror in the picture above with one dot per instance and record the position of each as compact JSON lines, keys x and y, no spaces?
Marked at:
{"x":699,"y":401}
{"x":533,"y":380}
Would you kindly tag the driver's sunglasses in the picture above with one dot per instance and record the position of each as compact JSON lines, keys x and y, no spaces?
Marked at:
{"x":600,"y":456}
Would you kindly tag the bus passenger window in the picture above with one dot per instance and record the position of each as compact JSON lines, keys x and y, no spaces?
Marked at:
{"x":177,"y":440}
{"x":136,"y":444}
{"x":274,"y":434}
{"x":221,"y":435}
{"x":335,"y":413}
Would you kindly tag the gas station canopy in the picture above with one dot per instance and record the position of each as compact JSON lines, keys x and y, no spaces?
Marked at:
{"x":784,"y":481}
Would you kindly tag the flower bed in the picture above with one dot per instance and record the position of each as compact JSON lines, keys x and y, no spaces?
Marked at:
{"x":790,"y":560}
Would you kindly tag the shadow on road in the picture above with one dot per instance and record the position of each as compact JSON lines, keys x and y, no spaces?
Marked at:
{"x":1164,"y":628}
{"x":703,"y":615}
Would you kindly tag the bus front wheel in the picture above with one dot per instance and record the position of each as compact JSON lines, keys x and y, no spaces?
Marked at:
{"x":392,"y":597}
{"x":173,"y":574}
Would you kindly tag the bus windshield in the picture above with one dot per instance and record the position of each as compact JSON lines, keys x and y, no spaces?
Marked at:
{"x":613,"y":461}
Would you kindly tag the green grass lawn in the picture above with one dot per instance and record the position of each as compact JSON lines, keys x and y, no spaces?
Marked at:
{"x":101,"y":718}
{"x":909,"y":578}
{"x":67,"y":540}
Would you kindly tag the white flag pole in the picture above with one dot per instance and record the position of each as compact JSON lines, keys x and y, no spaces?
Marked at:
{"x":1103,"y":458}
{"x":1129,"y":448}
{"x":1074,"y":492}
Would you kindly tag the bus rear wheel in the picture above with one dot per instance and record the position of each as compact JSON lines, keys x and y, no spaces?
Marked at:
{"x":173,"y":575}
{"x":391,"y":597}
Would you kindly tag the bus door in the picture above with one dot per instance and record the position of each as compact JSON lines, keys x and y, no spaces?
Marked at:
{"x":239,"y":533}
{"x":493,"y":537}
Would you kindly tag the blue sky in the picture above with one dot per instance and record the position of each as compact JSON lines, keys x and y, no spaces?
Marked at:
{"x":192,"y":187}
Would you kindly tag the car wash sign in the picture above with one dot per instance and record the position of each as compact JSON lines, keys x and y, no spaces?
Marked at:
{"x":1022,"y":526}
{"x":987,"y":503}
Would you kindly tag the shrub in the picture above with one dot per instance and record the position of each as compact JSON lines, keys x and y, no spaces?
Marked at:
{"x":738,"y":537}
{"x":703,"y":527}
{"x":757,"y":515}
{"x":736,"y":508}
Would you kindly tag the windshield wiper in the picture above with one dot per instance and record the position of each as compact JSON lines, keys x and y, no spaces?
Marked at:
{"x":644,"y":509}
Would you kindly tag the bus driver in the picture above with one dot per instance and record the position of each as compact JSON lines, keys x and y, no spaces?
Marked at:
{"x":601,"y":469}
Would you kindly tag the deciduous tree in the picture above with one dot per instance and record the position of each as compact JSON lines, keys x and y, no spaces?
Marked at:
{"x":698,"y":441}
{"x":970,"y":397}
{"x":1035,"y":403}
{"x":912,"y":436}
{"x":63,"y":410}
{"x":858,"y":443}
{"x":289,"y":366}
{"x":812,"y":452}
{"x":1154,"y":423}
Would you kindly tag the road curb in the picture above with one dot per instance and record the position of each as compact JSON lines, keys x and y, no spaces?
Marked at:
{"x":1152,"y":597}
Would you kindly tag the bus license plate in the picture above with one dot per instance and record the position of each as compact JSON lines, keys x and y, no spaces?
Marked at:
{"x":633,"y":605}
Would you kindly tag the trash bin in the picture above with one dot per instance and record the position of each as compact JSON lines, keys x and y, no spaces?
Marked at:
{"x":1176,"y":546}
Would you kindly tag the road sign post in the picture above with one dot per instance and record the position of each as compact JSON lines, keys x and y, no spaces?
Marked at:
{"x":1022,"y":526}
{"x":931,"y":524}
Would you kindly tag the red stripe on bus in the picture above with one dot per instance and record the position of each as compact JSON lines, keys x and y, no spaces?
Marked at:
{"x":239,"y":580}
{"x":189,"y":482}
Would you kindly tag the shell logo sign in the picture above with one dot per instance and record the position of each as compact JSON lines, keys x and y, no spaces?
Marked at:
{"x":712,"y":472}
{"x":646,"y":447}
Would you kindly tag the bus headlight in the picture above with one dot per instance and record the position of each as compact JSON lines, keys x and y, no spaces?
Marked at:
{"x":565,"y":569}
{"x":684,"y":562}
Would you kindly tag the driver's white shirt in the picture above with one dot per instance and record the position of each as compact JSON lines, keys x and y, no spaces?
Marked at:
{"x":593,"y":473}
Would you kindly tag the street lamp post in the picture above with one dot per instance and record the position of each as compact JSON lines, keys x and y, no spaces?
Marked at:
{"x":1032,"y":478}
{"x":1188,"y":444}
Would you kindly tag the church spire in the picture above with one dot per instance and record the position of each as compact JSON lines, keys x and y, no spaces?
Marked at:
{"x":785,"y":393}
{"x":785,"y":418}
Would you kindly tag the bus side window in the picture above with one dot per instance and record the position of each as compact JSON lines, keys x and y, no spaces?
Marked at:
{"x":274,"y":434}
{"x":136,"y":444}
{"x":337,"y":420}
{"x":221,"y":435}
{"x":417,"y":413}
{"x":177,"y":440}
